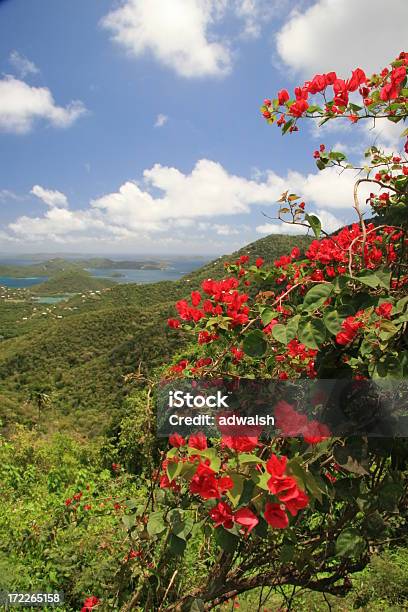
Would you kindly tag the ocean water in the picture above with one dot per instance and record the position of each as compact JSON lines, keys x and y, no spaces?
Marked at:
{"x":177,"y":269}
{"x":18,"y":283}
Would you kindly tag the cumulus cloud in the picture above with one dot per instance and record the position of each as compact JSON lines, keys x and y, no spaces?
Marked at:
{"x":21,"y":105}
{"x":181,"y":34}
{"x":255,"y":13}
{"x":280,"y":228}
{"x":329,"y":188}
{"x":22,"y":64}
{"x":168,"y":201}
{"x":330,"y":223}
{"x":161,"y":120}
{"x":176,"y":33}
{"x":51,"y":198}
{"x":340,"y":35}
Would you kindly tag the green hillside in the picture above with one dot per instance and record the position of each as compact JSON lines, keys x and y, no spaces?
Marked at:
{"x":71,"y":281}
{"x":78,"y":351}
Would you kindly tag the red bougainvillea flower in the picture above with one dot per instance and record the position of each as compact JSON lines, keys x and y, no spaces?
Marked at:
{"x":221,"y":514}
{"x":165,"y":483}
{"x":173,"y":323}
{"x":195,"y":298}
{"x":349,"y":330}
{"x":68,"y":502}
{"x":225,"y":483}
{"x":204,"y":483}
{"x":358,"y":77}
{"x":283,"y":96}
{"x":384,"y":310}
{"x":295,"y":504}
{"x":276,"y":516}
{"x":238,"y":353}
{"x":259,"y":262}
{"x":240,"y":444}
{"x":276,"y":466}
{"x":198,"y":441}
{"x":298,"y":108}
{"x":289,"y":422}
{"x":90,"y":603}
{"x":176,"y":440}
{"x":315,"y":432}
{"x":246,"y":518}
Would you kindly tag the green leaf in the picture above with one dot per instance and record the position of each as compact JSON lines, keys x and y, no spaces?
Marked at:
{"x":226,"y":540}
{"x":248,"y":458}
{"x":235,"y":493}
{"x":267,"y":315}
{"x":350,"y":544}
{"x":287,"y":126}
{"x":208,"y":453}
{"x":156,"y":523}
{"x":287,"y":553}
{"x":129,"y":520}
{"x":316,"y":296}
{"x":286,"y":333}
{"x":261,"y":480}
{"x":349,"y":457}
{"x":380,"y":278}
{"x":314,"y":221}
{"x":177,"y":546}
{"x":401,"y":305}
{"x":180,"y":524}
{"x":337,"y":156}
{"x":312,"y":334}
{"x":334,"y":318}
{"x":255,"y":344}
{"x":173,"y":469}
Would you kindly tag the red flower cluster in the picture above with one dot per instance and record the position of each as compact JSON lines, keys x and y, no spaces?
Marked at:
{"x":384,"y":310}
{"x":222,"y":514}
{"x":349,"y":329}
{"x":388,"y":87}
{"x":334,"y":251}
{"x":286,"y":489}
{"x":205,"y":484}
{"x":292,"y":424}
{"x":90,"y":603}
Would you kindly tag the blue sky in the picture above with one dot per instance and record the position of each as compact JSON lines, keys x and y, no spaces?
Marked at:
{"x":134,"y":126}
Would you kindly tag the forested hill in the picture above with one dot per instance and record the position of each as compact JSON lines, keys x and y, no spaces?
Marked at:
{"x":77,"y":352}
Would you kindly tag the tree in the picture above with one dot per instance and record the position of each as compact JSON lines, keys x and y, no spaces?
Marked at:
{"x":305,"y":509}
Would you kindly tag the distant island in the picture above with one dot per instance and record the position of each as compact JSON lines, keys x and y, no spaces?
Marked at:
{"x":50,"y":267}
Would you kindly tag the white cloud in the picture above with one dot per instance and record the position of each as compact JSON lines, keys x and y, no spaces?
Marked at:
{"x":384,"y":134}
{"x":176,"y":33}
{"x":22,"y":64}
{"x":280,"y":228}
{"x":175,"y":204}
{"x":51,"y":198}
{"x":6,"y":195}
{"x":255,"y":13}
{"x":329,"y":222}
{"x":329,"y":188}
{"x":161,"y":120}
{"x":21,"y":105}
{"x":340,"y":35}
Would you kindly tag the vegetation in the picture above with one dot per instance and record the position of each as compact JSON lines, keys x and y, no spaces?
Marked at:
{"x":71,"y":281}
{"x":303,"y":520}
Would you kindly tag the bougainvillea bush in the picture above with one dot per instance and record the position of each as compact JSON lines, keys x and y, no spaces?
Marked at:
{"x":305,"y":510}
